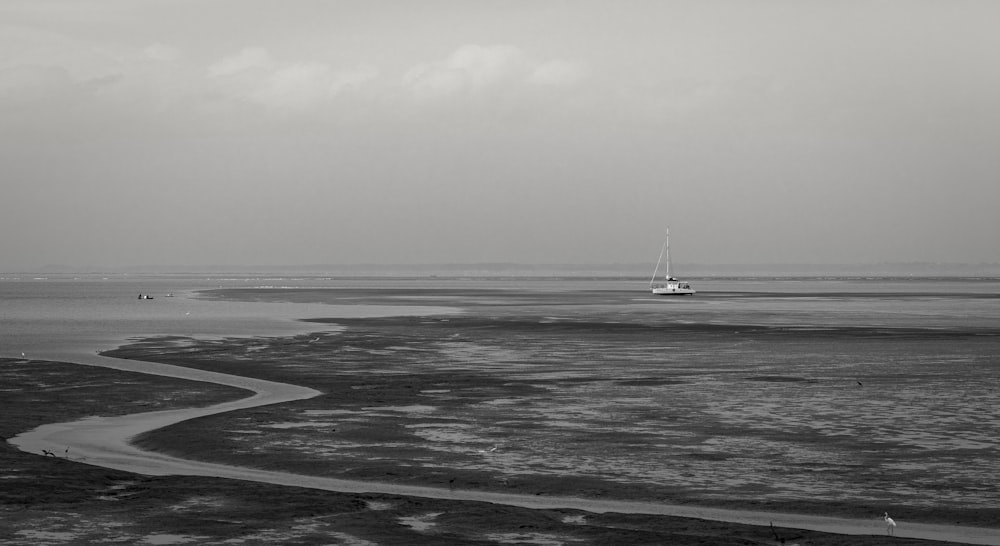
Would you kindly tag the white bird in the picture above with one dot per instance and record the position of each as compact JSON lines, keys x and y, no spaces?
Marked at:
{"x":889,"y":523}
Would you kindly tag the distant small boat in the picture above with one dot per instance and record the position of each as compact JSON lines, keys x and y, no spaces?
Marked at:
{"x":145,"y":297}
{"x":670,"y":286}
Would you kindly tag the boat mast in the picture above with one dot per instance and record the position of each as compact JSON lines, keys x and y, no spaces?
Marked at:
{"x":666,"y":246}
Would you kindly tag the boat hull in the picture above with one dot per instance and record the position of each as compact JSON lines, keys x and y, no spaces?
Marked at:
{"x":672,"y":289}
{"x":673,"y":292}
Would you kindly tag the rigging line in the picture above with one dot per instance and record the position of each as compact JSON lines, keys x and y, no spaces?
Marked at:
{"x":658,"y":260}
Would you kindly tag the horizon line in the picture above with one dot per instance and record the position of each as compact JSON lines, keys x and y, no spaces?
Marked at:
{"x":481,"y":267}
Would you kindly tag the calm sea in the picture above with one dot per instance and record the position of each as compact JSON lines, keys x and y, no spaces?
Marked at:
{"x":72,"y":317}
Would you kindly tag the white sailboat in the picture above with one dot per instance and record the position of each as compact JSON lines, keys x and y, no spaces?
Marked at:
{"x":669,"y":286}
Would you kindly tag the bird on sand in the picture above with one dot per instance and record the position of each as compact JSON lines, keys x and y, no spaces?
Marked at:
{"x":777,"y":537}
{"x":890,"y":525}
{"x":780,"y":539}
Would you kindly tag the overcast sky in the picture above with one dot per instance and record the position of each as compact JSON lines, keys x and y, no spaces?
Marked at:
{"x":303,"y":132}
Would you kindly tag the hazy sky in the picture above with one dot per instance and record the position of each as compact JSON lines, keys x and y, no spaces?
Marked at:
{"x":303,"y":132}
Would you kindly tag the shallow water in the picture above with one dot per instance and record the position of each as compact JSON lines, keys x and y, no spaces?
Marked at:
{"x":68,"y":316}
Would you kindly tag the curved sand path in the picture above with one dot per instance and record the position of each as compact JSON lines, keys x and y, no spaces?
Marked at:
{"x":104,"y":441}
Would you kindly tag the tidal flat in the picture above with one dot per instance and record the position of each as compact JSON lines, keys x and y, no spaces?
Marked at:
{"x":601,"y":395}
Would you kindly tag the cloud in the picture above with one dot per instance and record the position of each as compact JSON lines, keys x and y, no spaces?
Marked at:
{"x":255,"y":76}
{"x":487,"y":65}
{"x":249,"y":59}
{"x":162,"y":52}
{"x":558,"y":72}
{"x":300,"y":85}
{"x":473,"y":67}
{"x":86,"y":79}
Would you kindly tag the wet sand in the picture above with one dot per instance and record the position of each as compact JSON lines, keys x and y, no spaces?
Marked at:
{"x":105,"y":441}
